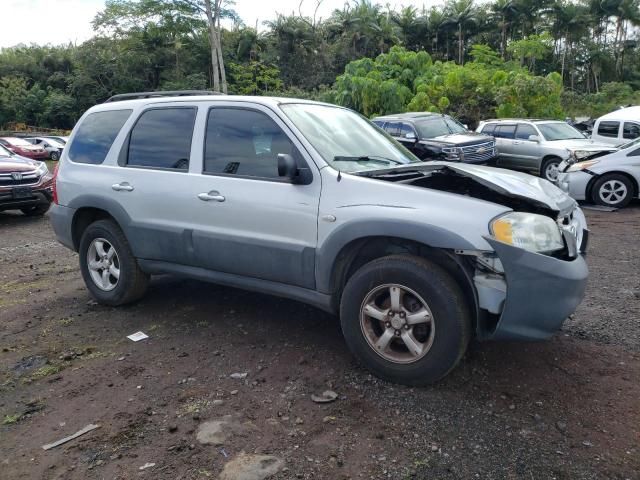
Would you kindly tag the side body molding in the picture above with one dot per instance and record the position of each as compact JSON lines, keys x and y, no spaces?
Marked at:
{"x":431,"y":235}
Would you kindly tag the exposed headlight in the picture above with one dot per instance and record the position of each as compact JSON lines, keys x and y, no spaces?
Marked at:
{"x":577,"y":155}
{"x":582,"y":165}
{"x":529,"y":231}
{"x":42,"y":168}
{"x":452,"y":150}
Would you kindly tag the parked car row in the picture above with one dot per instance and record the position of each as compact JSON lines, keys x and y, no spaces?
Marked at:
{"x":36,"y":148}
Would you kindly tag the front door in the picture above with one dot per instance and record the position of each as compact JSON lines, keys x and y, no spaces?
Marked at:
{"x":505,"y":136}
{"x":252,"y":222}
{"x":527,"y":154}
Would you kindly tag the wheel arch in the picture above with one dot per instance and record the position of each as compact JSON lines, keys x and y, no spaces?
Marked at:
{"x":363,"y":249}
{"x":594,"y":179}
{"x":89,"y":209}
{"x":544,"y":159}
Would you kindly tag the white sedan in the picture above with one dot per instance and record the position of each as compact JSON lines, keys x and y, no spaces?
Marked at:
{"x":611,"y":180}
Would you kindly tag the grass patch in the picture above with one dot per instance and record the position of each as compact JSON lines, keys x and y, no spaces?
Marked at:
{"x":46,"y":371}
{"x":11,"y":419}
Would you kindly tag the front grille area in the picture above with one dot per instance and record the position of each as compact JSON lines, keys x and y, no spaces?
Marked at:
{"x":479,"y":152}
{"x":25,"y":178}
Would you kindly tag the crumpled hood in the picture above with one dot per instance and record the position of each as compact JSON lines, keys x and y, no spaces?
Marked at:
{"x":583,"y":144}
{"x":516,"y":184}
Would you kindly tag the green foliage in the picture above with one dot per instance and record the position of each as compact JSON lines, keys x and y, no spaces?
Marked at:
{"x":409,"y":81}
{"x":256,"y":78}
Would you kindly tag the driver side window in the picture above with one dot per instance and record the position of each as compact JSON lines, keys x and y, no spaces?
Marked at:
{"x":244,"y":142}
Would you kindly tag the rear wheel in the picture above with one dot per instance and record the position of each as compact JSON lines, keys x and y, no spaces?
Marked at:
{"x":109,"y":269}
{"x":405,"y":319}
{"x":55,"y":156}
{"x":612,"y":190}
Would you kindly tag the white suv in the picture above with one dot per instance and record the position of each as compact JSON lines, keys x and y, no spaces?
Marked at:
{"x":313,"y":202}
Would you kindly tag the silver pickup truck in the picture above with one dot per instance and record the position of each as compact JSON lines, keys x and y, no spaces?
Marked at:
{"x":312,"y":202}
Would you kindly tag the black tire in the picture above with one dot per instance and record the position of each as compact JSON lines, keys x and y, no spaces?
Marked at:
{"x":451,"y":316}
{"x":37,"y":211}
{"x":546,"y":164}
{"x":55,"y":156}
{"x":132,"y":283}
{"x":601,"y":196}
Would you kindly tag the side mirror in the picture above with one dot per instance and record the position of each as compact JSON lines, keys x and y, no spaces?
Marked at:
{"x":410,"y":136}
{"x":534,"y":138}
{"x":287,"y":166}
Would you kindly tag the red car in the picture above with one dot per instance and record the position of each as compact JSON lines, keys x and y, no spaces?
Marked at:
{"x":25,"y":184}
{"x":23,"y":148}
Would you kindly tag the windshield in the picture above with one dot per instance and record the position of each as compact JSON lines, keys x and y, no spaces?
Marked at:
{"x":559,"y":131}
{"x":437,"y":126}
{"x":4,"y":152}
{"x":347,"y":141}
{"x":19,"y":142}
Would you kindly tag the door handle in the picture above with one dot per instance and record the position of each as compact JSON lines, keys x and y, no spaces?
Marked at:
{"x":124,"y":186}
{"x":212,"y":196}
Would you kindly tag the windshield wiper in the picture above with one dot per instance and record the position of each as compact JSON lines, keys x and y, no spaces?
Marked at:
{"x":367,"y":158}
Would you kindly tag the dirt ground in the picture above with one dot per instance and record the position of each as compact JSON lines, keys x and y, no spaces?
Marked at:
{"x":567,"y":408}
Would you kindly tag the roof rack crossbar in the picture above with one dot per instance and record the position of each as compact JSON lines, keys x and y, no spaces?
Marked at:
{"x":167,"y":93}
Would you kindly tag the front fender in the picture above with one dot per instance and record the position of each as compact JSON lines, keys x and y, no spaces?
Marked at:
{"x":431,"y":235}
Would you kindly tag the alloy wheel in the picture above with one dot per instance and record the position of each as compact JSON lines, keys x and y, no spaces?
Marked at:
{"x":612,"y":192}
{"x":104,"y":264}
{"x":397,"y":323}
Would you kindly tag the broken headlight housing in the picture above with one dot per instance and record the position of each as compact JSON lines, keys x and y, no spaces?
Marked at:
{"x":582,"y":165}
{"x":528,"y":231}
{"x":577,"y":155}
{"x":453,"y":153}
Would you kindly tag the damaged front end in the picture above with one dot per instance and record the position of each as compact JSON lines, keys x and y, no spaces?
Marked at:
{"x":526,"y":286}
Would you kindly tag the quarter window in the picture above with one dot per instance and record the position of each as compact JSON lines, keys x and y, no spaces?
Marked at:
{"x":608,"y":129}
{"x":505,"y":131}
{"x":95,"y":135}
{"x":631,"y":130}
{"x":244,"y":142}
{"x":161,"y":138}
{"x":524,"y":131}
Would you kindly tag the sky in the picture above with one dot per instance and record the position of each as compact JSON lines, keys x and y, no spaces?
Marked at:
{"x":62,"y":21}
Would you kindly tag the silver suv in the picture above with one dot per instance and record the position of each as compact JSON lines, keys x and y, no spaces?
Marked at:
{"x":312,"y":202}
{"x":538,"y":146}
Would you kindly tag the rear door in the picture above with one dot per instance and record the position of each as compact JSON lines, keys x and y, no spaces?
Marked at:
{"x":505,"y":135}
{"x":250,"y":221}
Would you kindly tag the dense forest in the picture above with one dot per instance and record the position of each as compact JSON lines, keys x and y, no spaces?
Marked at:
{"x":471,"y":59}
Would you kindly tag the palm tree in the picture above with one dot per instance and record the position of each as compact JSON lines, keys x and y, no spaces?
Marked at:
{"x":462,"y":14}
{"x":506,"y":12}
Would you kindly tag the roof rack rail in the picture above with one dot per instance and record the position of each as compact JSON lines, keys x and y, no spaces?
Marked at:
{"x":167,"y":93}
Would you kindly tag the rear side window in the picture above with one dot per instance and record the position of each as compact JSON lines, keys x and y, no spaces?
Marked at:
{"x":631,"y":130}
{"x":95,"y":136}
{"x":161,"y":138}
{"x":524,"y":131}
{"x":608,"y":129}
{"x":504,"y":131}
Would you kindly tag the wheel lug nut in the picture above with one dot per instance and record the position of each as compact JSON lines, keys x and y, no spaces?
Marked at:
{"x":397,"y":333}
{"x":387,"y":324}
{"x":406,"y":327}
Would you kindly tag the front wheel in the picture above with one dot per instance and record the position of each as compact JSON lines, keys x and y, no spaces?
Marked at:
{"x":612,"y":190}
{"x":109,"y":269}
{"x":405,"y":319}
{"x":549,"y":169}
{"x":55,"y":156}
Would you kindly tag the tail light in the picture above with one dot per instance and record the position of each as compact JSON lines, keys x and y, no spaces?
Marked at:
{"x":54,"y":185}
